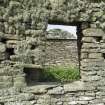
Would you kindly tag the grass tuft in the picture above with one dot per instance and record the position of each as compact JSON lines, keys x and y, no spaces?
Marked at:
{"x":60,"y":74}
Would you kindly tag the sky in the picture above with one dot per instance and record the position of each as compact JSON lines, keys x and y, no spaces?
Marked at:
{"x":71,"y":29}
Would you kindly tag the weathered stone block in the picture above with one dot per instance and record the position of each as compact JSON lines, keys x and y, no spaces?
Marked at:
{"x":90,"y":46}
{"x":88,"y":39}
{"x":2,"y":56}
{"x":83,"y":102}
{"x":6,"y":78}
{"x":95,"y":55}
{"x":84,"y":55}
{"x":86,"y":98}
{"x":19,"y":78}
{"x":75,"y":86}
{"x":58,"y":90}
{"x":6,"y":85}
{"x":93,"y":32}
{"x":73,"y":103}
{"x":19,"y":84}
{"x":2,"y":47}
{"x":90,"y":78}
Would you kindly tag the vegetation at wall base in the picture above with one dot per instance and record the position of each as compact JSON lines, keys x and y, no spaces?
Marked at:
{"x":60,"y":74}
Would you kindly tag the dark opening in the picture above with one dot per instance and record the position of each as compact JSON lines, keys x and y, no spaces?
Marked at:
{"x":33,"y":47}
{"x":9,"y":53}
{"x":32,"y":75}
{"x":79,"y":42}
{"x":98,"y":38}
{"x":103,"y":55}
{"x":3,"y":40}
{"x":1,"y":103}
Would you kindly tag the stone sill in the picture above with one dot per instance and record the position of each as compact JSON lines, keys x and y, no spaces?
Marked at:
{"x":54,"y":88}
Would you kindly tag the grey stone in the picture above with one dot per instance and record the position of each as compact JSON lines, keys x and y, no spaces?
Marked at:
{"x":75,"y":86}
{"x":95,"y":55}
{"x":73,"y":103}
{"x":57,"y":90}
{"x":2,"y":47}
{"x":39,"y":88}
{"x":85,"y":98}
{"x":83,"y":102}
{"x":93,"y":32}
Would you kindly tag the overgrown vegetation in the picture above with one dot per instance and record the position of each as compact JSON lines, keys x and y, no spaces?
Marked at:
{"x":60,"y":74}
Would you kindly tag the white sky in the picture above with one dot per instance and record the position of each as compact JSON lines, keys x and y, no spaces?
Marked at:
{"x":71,"y":29}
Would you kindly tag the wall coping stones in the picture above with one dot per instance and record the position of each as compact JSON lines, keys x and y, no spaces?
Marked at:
{"x":32,"y":66}
{"x":39,"y":88}
{"x":57,"y":89}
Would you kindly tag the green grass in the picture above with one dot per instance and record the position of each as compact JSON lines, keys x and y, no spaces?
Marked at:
{"x":60,"y":74}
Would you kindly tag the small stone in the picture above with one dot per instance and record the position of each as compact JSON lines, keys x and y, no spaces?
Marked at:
{"x":95,"y":55}
{"x":73,"y":103}
{"x":84,"y":98}
{"x":75,"y":86}
{"x":93,"y":32}
{"x":83,"y":102}
{"x":57,"y":90}
{"x":59,"y":103}
{"x":2,"y":47}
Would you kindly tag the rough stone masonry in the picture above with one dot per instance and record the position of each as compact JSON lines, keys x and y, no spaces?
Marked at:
{"x":23,"y":26}
{"x":61,"y":49}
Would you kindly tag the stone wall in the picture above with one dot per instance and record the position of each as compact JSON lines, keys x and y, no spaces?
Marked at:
{"x":51,"y":94}
{"x":23,"y":26}
{"x":61,"y":52}
{"x":61,"y":48}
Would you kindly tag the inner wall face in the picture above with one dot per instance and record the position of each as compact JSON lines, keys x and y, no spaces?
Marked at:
{"x":61,"y":46}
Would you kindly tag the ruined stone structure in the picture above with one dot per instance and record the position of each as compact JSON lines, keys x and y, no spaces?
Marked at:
{"x":23,"y":26}
{"x":61,"y":49}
